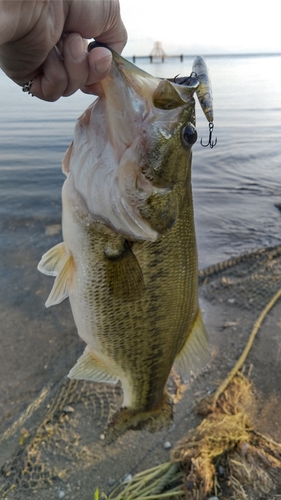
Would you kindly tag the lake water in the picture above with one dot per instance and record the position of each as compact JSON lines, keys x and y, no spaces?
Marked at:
{"x":235,"y":184}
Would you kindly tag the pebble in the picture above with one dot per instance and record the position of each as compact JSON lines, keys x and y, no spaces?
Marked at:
{"x":102,"y":437}
{"x":128,"y":478}
{"x":167,"y":445}
{"x":61,"y":494}
{"x":68,"y":409}
{"x":111,"y":481}
{"x":212,"y":498}
{"x":221,"y":471}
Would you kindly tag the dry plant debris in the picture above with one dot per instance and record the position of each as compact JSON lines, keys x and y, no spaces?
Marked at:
{"x":223,"y":456}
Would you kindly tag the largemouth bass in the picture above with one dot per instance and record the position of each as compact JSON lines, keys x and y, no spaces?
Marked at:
{"x":128,"y":260}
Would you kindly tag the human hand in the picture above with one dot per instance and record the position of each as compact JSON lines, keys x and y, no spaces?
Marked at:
{"x":45,"y":41}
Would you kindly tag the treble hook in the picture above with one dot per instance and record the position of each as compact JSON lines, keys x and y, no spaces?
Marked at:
{"x":210,"y":143}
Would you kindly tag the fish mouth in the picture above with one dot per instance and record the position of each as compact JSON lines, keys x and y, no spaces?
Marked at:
{"x":136,"y":101}
{"x":182,"y":88}
{"x":127,"y":69}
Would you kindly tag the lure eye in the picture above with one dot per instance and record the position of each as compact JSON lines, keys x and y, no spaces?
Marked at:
{"x":189,"y":135}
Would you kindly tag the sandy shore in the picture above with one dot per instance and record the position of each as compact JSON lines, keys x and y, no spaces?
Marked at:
{"x":39,"y":345}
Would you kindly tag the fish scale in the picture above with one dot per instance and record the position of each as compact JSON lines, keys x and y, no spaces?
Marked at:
{"x":128,"y":262}
{"x":145,"y":322}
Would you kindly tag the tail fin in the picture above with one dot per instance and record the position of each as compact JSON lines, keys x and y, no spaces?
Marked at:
{"x":129,"y":419}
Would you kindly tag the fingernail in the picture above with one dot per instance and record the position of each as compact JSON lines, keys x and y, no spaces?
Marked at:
{"x":103,"y":64}
{"x":76,"y":47}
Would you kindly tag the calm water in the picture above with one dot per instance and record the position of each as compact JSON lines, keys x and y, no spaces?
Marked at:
{"x":235,"y":185}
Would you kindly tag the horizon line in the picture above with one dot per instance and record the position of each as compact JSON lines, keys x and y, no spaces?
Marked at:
{"x":225,"y":54}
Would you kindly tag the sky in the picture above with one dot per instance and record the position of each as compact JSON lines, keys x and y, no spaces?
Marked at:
{"x":208,"y":27}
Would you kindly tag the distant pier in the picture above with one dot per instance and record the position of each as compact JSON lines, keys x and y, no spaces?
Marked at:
{"x":157,"y":53}
{"x":162,"y":58}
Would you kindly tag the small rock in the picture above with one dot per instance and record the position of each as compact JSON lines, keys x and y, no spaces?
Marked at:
{"x":230,"y":301}
{"x":68,"y":409}
{"x":61,"y":494}
{"x":128,"y":478}
{"x":102,"y":437}
{"x":221,"y":471}
{"x":227,"y":324}
{"x":243,"y":447}
{"x":167,"y":445}
{"x":212,"y":498}
{"x":111,"y":481}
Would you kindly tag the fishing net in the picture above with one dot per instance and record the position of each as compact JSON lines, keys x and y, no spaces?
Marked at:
{"x":52,"y":437}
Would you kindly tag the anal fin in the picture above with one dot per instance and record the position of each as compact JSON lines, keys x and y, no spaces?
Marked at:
{"x":89,"y":368}
{"x":194,"y":355}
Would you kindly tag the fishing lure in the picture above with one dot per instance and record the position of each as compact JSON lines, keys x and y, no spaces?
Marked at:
{"x":204,"y":93}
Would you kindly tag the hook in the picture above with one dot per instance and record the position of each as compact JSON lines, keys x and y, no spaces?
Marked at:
{"x":210,"y":143}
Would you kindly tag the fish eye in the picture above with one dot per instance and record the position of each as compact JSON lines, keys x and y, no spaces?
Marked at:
{"x":189,"y":135}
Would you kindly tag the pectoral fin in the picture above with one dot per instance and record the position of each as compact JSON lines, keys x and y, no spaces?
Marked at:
{"x":58,"y":262}
{"x":53,"y":260}
{"x":66,"y":160}
{"x":125,"y":279}
{"x":62,"y":285}
{"x":89,"y":368}
{"x":195,"y":353}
